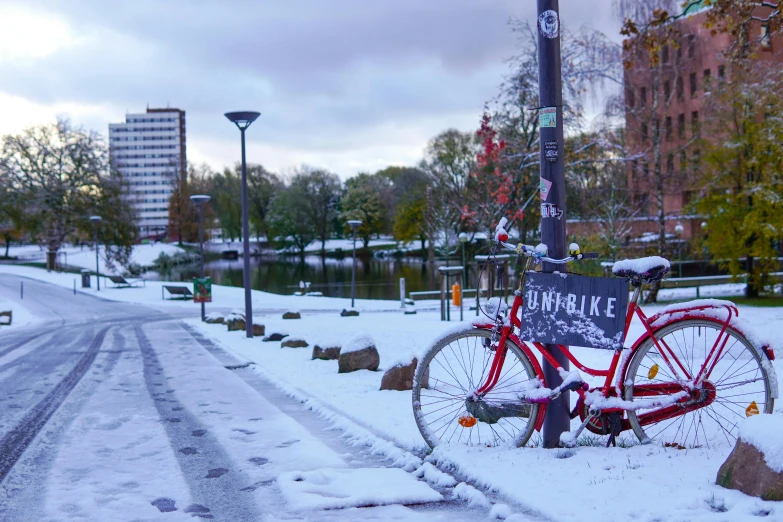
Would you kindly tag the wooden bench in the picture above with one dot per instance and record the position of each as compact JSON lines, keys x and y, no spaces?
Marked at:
{"x":183,"y":292}
{"x":3,"y":315}
{"x":121,"y":282}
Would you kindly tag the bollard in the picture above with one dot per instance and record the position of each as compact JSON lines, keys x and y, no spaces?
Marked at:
{"x":74,"y":287}
{"x":21,"y":296}
{"x":402,"y":292}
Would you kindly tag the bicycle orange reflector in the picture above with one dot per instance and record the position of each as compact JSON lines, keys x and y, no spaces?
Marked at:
{"x":752,"y":409}
{"x":653,"y":372}
{"x":467,"y":421}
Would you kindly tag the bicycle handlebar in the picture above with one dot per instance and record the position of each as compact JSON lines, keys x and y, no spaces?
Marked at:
{"x":536,"y":252}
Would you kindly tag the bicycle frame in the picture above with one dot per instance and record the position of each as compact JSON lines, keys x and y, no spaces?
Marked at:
{"x":683,"y":382}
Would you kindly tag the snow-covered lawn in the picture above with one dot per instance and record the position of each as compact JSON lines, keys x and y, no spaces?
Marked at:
{"x":20,"y":315}
{"x":587,"y":483}
{"x":143,"y":255}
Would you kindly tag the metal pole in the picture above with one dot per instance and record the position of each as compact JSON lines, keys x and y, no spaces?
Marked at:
{"x":97,"y":266}
{"x":201,"y":251}
{"x":462,"y":290}
{"x":246,"y":245}
{"x":553,"y":219}
{"x":353,"y":270}
{"x":402,"y":292}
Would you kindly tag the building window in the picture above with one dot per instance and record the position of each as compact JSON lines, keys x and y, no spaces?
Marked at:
{"x":643,"y":96}
{"x":634,"y":169}
{"x":646,"y":168}
{"x":721,"y":72}
{"x":683,"y":162}
{"x":668,"y":124}
{"x":642,"y":203}
{"x":670,"y":164}
{"x":707,"y":76}
{"x":766,"y":41}
{"x":656,"y":129}
{"x":696,"y":160}
{"x":694,"y":85}
{"x":631,"y":98}
{"x":681,"y":126}
{"x":645,"y":132}
{"x":691,"y":44}
{"x":679,"y":54}
{"x":667,"y":90}
{"x":680,"y":89}
{"x":695,"y":122}
{"x":665,"y":54}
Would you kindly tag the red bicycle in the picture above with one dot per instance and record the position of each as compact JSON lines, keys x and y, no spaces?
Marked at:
{"x":686,"y":382}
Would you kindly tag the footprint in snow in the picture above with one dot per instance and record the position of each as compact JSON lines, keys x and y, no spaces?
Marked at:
{"x":258,"y":461}
{"x":216,"y":472}
{"x":287,"y":443}
{"x":198,"y":433}
{"x":246,"y":432}
{"x":188,"y":451}
{"x":164,"y":505}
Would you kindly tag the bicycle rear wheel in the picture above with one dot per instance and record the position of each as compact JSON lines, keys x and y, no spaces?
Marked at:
{"x":444,"y":404}
{"x":737,"y":386}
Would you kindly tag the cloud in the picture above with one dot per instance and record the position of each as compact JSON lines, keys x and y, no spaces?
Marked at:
{"x":345,"y":84}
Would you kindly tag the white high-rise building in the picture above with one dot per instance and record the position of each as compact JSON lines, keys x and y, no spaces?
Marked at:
{"x":149,"y":150}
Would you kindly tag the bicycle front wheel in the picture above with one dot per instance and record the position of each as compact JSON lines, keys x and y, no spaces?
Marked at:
{"x":446,"y":408}
{"x":708,"y":414}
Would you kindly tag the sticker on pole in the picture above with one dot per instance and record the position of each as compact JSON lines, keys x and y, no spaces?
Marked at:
{"x":545,"y":186}
{"x":551,"y":151}
{"x":574,"y":310}
{"x":547,"y":117}
{"x":549,"y":24}
{"x":202,"y":290}
{"x":548,"y":210}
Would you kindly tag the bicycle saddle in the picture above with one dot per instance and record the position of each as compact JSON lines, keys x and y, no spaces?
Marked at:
{"x":643,"y":270}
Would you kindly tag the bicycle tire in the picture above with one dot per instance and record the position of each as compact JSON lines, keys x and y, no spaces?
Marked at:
{"x":436,"y":371}
{"x":714,"y":423}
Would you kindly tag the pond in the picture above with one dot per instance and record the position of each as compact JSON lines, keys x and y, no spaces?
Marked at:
{"x":375,"y":278}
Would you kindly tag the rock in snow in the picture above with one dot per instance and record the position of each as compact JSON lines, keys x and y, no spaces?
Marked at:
{"x":235,"y":322}
{"x":755,"y":466}
{"x":292,"y":315}
{"x":326,"y":351}
{"x":359,"y":353}
{"x":214,"y":318}
{"x":294,"y":342}
{"x":400,"y":377}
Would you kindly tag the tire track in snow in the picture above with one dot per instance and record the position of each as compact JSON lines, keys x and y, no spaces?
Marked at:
{"x":16,"y":441}
{"x":209,"y":471}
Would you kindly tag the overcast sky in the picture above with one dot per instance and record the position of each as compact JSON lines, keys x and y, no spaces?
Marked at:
{"x":350,"y":85}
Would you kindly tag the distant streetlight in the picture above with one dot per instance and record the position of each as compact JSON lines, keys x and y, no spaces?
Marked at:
{"x":463,"y":238}
{"x":200,"y":201}
{"x":355,"y":223}
{"x":95,"y":220}
{"x":243,"y":119}
{"x":679,"y":229}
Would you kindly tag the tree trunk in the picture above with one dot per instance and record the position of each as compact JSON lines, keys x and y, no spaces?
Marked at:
{"x":323,"y":247}
{"x":51,"y":259}
{"x":751,"y":289}
{"x":7,"y":244}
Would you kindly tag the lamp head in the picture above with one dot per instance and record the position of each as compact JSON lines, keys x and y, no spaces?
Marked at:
{"x":243,"y":119}
{"x":703,"y":225}
{"x":96,"y":219}
{"x":355,"y":223}
{"x":463,"y":237}
{"x":679,"y":229}
{"x":199,"y":199}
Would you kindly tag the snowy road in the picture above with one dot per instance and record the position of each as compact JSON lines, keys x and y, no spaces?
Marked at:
{"x":112,"y":411}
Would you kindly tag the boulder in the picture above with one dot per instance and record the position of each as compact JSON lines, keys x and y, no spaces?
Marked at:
{"x":400,"y":376}
{"x":258,"y":330}
{"x":6,"y":317}
{"x":326,"y":352}
{"x":349,"y":313}
{"x":235,"y":322}
{"x":277,"y":336}
{"x":214,"y":318}
{"x":292,"y":315}
{"x":755,"y":465}
{"x":358,"y":354}
{"x":294,"y":342}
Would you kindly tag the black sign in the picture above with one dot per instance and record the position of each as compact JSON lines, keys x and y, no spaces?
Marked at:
{"x":551,"y":151}
{"x":574,"y":310}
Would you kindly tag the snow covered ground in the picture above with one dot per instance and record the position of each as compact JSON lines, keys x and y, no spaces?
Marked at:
{"x":645,"y":483}
{"x":143,"y":255}
{"x":587,"y":483}
{"x":20,"y":315}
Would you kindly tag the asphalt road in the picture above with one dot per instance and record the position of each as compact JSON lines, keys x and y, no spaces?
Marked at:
{"x":50,"y":371}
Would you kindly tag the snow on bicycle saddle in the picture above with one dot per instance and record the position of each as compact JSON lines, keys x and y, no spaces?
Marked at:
{"x":644,"y":269}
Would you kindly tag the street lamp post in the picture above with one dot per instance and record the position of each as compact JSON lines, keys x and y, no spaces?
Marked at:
{"x":355,"y":223}
{"x":679,"y":229}
{"x":200,"y":201}
{"x":95,"y":220}
{"x":242,"y":120}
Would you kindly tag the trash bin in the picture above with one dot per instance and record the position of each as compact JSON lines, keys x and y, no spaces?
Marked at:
{"x":85,"y":278}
